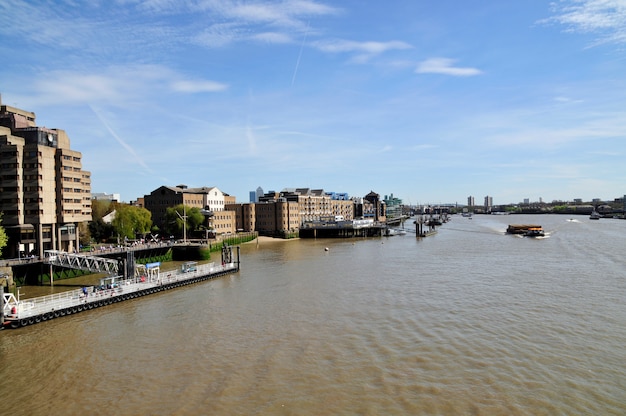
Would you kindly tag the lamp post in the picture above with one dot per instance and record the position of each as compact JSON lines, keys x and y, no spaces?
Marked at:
{"x":184,"y":218}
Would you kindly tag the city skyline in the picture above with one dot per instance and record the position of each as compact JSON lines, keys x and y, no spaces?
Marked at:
{"x":429,"y":102}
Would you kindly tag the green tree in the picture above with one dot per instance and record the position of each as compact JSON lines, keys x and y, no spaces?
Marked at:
{"x":130,"y":221}
{"x":3,"y":236}
{"x":100,"y":231}
{"x":84,"y":233}
{"x":174,"y":223}
{"x":143,"y":220}
{"x":100,"y":208}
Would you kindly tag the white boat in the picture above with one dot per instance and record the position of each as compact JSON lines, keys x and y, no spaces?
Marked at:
{"x":389,"y":232}
{"x":595,"y":215}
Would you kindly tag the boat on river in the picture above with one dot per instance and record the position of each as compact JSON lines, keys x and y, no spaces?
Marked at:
{"x":389,"y":232}
{"x":595,"y":215}
{"x":526,"y":230}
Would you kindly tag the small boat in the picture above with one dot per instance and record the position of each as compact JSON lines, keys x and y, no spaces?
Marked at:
{"x":389,"y":232}
{"x":595,"y":215}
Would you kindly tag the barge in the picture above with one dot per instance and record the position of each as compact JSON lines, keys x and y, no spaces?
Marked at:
{"x":527,"y":230}
{"x":18,"y":313}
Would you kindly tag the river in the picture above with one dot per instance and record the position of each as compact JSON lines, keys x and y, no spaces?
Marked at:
{"x":469,"y":321}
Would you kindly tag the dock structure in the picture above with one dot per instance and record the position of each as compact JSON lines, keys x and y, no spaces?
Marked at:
{"x":425,"y":227}
{"x":20,"y":313}
{"x":342,"y":229}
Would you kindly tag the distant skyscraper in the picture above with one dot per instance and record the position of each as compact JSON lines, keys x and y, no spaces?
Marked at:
{"x":255,"y":195}
{"x":488,"y":203}
{"x":470,"y":201}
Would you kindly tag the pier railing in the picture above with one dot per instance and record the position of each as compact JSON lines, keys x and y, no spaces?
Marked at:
{"x":79,"y":299}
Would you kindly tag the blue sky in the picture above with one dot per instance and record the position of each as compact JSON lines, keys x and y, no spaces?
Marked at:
{"x":432,"y":101}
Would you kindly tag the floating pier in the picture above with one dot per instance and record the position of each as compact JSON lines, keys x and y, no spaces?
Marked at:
{"x":20,"y":313}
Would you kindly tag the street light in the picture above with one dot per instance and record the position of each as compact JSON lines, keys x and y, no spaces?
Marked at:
{"x":184,"y":218}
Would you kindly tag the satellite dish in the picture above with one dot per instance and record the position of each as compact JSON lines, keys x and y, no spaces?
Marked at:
{"x":50,"y":138}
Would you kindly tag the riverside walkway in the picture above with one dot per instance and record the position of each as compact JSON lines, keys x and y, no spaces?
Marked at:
{"x":19,"y":313}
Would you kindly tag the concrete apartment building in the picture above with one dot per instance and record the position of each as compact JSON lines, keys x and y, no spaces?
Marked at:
{"x":44,"y":192}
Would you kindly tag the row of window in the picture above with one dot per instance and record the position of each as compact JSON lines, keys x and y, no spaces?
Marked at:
{"x":72,"y":211}
{"x":68,"y":179}
{"x":72,"y":158}
{"x":75,"y":190}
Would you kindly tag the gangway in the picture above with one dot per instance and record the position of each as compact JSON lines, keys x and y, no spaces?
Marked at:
{"x":82,"y":262}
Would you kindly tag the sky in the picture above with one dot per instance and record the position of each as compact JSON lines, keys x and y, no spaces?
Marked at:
{"x":431,"y":101}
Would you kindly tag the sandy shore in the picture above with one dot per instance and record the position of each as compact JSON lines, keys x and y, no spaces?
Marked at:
{"x":262,"y":240}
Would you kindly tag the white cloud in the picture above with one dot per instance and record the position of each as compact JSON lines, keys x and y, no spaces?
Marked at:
{"x":566,"y":100}
{"x":445,"y":66}
{"x":363,"y":50}
{"x":218,"y":35}
{"x":366,"y":47}
{"x":273,"y":37}
{"x":197,"y":86}
{"x":275,"y":23}
{"x":285,"y":14}
{"x":607,"y":18}
{"x":116,"y":85}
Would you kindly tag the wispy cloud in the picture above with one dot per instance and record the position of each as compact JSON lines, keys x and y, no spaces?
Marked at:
{"x":445,"y":66}
{"x":566,"y":100}
{"x":197,"y":86}
{"x":363,"y":50}
{"x":270,"y":22}
{"x":606,"y":18}
{"x":272,"y":38}
{"x":116,"y":85}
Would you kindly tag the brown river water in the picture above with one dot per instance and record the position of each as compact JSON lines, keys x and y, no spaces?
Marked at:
{"x":467,"y":322}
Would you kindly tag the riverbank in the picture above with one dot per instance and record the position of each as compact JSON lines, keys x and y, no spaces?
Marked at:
{"x":264,"y":240}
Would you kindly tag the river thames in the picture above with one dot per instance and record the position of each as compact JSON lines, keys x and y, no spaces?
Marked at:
{"x":470,"y":321}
